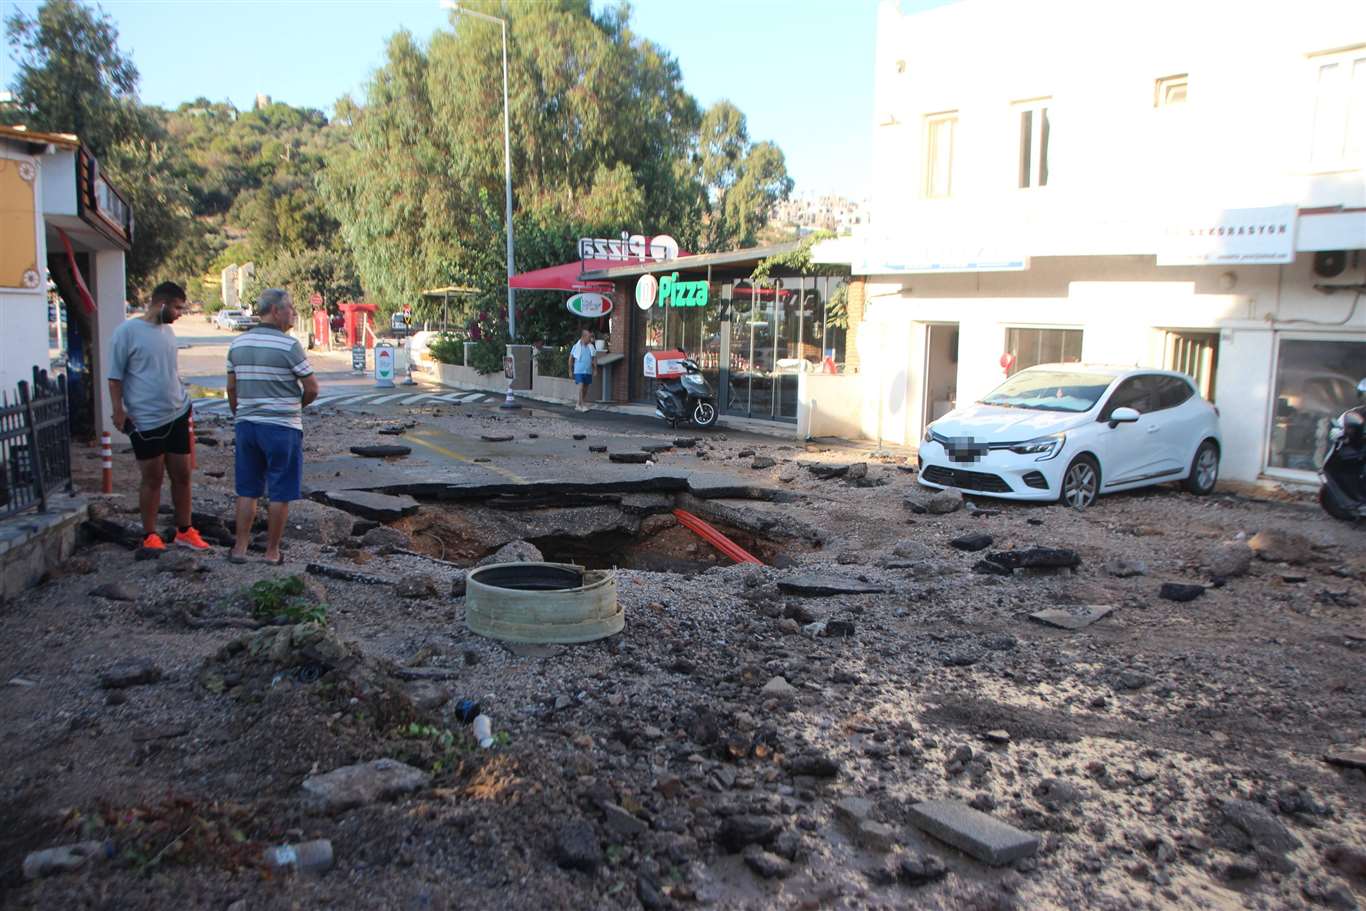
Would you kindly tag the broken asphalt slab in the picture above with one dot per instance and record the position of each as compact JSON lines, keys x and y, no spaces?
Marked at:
{"x":1036,"y":558}
{"x":813,"y":586}
{"x":380,"y":452}
{"x":377,"y":507}
{"x":975,"y":833}
{"x":1067,"y":619}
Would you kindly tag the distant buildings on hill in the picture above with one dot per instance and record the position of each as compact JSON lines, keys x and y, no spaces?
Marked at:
{"x":821,"y":213}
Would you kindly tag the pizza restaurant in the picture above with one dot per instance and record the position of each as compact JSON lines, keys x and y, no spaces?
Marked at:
{"x":753,"y":340}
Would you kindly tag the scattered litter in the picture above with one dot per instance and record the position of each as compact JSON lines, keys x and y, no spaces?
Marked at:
{"x":314,"y":857}
{"x":483,"y":731}
{"x":66,"y":858}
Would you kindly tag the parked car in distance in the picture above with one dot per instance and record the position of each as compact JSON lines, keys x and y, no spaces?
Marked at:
{"x":1070,"y":432}
{"x":234,"y":320}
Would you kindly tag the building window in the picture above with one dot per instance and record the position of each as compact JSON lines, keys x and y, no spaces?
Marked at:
{"x":1171,"y":91}
{"x":1031,"y":347}
{"x":1339,"y":133}
{"x":1315,"y":382}
{"x":1033,"y":170}
{"x":939,"y":139}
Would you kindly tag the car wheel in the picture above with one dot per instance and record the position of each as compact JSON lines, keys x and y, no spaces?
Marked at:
{"x":1204,"y":472}
{"x":1080,"y":483}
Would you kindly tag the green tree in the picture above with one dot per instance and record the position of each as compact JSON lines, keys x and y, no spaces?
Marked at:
{"x":72,"y":77}
{"x":388,"y":188}
{"x":743,"y":180}
{"x":604,"y":138}
{"x":327,"y":272}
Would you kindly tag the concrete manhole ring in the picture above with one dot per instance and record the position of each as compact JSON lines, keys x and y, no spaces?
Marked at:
{"x":542,"y":602}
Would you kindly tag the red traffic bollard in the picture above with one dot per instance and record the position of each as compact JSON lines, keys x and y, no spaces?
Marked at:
{"x":106,"y":463}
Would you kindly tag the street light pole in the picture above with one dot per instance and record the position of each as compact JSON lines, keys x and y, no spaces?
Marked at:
{"x":507,"y":172}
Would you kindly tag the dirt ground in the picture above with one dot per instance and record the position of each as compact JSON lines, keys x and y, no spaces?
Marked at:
{"x":1170,"y":755}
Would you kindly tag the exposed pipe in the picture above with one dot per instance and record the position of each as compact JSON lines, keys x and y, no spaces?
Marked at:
{"x":708,"y":533}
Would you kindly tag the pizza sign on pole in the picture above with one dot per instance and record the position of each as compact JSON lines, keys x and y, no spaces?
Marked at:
{"x":589,"y":306}
{"x":647,"y":289}
{"x":384,"y":365}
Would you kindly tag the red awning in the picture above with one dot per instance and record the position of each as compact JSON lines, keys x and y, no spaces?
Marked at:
{"x":564,"y":277}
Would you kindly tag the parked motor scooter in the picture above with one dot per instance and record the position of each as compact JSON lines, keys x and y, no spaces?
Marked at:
{"x":1343,"y":494}
{"x":687,"y":398}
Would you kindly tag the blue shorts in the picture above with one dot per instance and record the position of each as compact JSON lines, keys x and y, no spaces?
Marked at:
{"x":583,"y":379}
{"x":270,"y":458}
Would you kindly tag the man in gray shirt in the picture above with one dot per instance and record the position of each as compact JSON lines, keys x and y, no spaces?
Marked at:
{"x":269,"y":382}
{"x":150,"y":404}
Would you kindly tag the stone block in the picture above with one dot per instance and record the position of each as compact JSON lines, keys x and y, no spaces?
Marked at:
{"x":987,"y":839}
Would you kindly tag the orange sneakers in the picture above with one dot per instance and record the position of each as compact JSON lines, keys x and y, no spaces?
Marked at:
{"x":153,"y":542}
{"x":190,"y":538}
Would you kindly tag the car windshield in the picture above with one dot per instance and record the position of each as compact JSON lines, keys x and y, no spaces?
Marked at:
{"x":1050,"y":390}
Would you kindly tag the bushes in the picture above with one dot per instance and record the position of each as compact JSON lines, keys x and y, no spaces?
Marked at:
{"x":447,"y":349}
{"x":486,"y":355}
{"x":553,"y":362}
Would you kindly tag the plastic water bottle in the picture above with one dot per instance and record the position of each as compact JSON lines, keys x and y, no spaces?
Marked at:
{"x":67,"y":857}
{"x":309,"y":857}
{"x":483,"y":731}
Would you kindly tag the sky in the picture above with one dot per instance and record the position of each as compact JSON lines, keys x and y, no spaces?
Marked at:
{"x":800,"y":70}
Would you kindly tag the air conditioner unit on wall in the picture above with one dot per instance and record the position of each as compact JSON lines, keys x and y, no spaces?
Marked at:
{"x":1330,"y":263}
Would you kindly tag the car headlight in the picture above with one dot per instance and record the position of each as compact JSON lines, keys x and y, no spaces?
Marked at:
{"x":1043,"y":447}
{"x":928,"y":436}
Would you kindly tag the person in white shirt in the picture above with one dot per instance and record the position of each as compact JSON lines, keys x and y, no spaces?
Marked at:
{"x":581,"y":358}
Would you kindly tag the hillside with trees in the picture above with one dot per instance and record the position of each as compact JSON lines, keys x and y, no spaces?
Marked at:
{"x":402,"y":189}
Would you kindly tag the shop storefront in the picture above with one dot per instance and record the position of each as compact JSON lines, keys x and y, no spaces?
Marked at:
{"x":751,"y":339}
{"x":1316,"y":375}
{"x":1274,"y":337}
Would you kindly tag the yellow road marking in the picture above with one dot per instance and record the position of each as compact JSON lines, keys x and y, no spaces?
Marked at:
{"x":417,"y":438}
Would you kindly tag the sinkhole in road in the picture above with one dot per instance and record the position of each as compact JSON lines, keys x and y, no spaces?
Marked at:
{"x":597,"y":536}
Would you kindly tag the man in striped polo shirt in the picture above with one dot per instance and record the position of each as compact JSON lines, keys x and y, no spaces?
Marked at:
{"x":269,"y":383}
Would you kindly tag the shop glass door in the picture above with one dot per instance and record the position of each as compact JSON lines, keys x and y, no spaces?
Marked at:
{"x":737,"y":379}
{"x":787,"y":346}
{"x":761,"y":336}
{"x":709,"y":350}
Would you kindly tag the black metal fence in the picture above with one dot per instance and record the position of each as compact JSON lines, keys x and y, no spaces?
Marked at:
{"x":35,"y":444}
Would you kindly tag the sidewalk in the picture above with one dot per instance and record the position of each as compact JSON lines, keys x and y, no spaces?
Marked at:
{"x":780,"y":429}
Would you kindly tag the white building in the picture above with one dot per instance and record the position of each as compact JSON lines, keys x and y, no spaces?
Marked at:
{"x":1170,"y":184}
{"x":60,"y":219}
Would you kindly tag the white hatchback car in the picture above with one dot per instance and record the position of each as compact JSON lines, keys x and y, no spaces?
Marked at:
{"x":1071,"y":432}
{"x":235,"y":320}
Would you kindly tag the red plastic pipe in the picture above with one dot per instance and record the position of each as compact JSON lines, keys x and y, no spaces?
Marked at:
{"x":713,"y":537}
